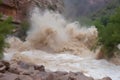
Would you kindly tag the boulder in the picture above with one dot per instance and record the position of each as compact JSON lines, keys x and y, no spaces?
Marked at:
{"x":26,"y":71}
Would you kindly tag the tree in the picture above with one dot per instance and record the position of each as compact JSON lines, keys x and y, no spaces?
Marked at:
{"x":109,"y":32}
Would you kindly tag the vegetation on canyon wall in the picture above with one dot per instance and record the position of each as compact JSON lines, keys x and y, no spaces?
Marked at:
{"x":109,"y":32}
{"x":6,"y":28}
{"x":107,"y":21}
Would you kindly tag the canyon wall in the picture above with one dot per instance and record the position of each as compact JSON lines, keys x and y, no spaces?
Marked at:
{"x":18,"y":9}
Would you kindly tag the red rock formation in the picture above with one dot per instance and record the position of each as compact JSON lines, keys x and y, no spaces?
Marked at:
{"x":18,"y":9}
{"x":12,"y":8}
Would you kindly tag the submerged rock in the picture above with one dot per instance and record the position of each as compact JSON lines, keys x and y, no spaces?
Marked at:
{"x":26,"y":71}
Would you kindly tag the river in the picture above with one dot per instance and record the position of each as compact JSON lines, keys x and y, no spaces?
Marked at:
{"x":60,"y":45}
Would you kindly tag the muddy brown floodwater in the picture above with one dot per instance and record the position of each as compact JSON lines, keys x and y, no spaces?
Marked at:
{"x":60,"y":45}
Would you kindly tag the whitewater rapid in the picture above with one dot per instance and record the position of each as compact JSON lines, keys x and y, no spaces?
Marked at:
{"x":60,"y":46}
{"x":69,"y":62}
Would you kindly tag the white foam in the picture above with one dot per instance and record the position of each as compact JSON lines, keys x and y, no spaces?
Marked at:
{"x":69,"y":62}
{"x":60,"y":45}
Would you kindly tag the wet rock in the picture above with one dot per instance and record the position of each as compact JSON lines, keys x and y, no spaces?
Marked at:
{"x":7,"y":64}
{"x":45,"y":76}
{"x":40,"y":68}
{"x":13,"y":68}
{"x":24,"y":77}
{"x":24,"y":65}
{"x":3,"y":66}
{"x":25,"y":71}
{"x":70,"y":76}
{"x":60,"y":73}
{"x":36,"y":77}
{"x":107,"y":78}
{"x":9,"y":76}
{"x":63,"y":78}
{"x":81,"y":76}
{"x":24,"y":68}
{"x":1,"y":75}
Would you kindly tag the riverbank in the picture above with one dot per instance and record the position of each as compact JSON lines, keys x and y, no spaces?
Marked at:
{"x":25,"y":71}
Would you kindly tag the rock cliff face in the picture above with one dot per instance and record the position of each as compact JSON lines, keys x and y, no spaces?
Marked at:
{"x":76,"y":8}
{"x":18,"y":8}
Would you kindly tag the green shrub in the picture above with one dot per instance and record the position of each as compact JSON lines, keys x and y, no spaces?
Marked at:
{"x":109,"y":32}
{"x":5,"y":29}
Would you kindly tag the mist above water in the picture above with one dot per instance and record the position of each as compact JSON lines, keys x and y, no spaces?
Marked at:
{"x":60,"y":45}
{"x":50,"y":32}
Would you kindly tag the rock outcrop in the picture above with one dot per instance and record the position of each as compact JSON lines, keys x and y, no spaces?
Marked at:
{"x":18,"y":9}
{"x":24,"y":71}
